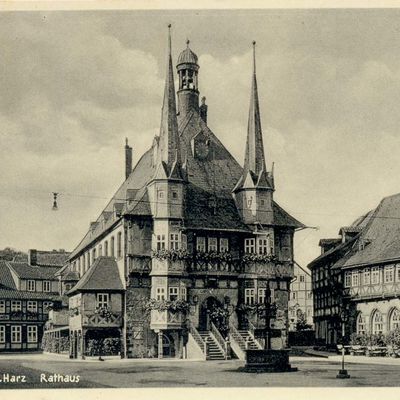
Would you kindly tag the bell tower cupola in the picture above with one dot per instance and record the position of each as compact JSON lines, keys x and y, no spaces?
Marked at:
{"x":188,"y":92}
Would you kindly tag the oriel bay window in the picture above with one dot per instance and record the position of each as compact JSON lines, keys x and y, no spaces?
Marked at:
{"x":355,"y":278}
{"x":347,"y":279}
{"x":183,"y":293}
{"x":103,"y":300}
{"x":261,"y":295}
{"x":367,"y":276}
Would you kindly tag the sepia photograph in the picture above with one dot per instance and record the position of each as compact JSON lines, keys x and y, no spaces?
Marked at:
{"x":199,"y":197}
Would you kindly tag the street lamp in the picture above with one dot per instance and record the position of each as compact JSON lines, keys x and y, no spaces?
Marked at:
{"x":344,"y":318}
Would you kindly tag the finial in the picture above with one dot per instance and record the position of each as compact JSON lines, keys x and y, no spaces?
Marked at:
{"x":126,"y":141}
{"x":169,"y":39}
{"x":254,"y":56}
{"x":203,"y":100}
{"x":187,"y":42}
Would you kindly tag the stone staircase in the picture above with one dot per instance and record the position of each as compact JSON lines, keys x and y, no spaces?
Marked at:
{"x":214,"y":350}
{"x":248,"y":338}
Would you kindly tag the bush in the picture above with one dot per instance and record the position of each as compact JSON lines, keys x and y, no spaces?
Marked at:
{"x":393,"y":338}
{"x":103,"y":347}
{"x":357,"y":339}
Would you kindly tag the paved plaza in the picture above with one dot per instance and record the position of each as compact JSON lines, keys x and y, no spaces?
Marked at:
{"x":113,"y":373}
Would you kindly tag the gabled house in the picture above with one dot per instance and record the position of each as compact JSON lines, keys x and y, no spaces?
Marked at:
{"x":193,"y":236}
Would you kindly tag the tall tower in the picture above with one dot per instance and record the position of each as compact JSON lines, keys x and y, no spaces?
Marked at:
{"x":188,"y":92}
{"x":253,"y":192}
{"x":166,"y":192}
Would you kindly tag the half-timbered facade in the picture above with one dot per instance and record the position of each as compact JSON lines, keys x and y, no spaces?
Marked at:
{"x":199,"y":243}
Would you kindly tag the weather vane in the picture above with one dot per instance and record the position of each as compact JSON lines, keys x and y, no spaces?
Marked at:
{"x":55,"y":206}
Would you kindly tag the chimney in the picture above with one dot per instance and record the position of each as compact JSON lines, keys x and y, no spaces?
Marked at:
{"x":203,"y":109}
{"x":32,"y":257}
{"x":128,"y":159}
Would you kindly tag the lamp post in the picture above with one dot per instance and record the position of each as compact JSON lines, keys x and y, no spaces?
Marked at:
{"x":344,"y":318}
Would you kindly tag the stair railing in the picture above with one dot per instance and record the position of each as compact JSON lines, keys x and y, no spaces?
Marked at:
{"x":237,"y":336}
{"x":251,"y":331}
{"x":224,"y":344}
{"x":197,"y":337}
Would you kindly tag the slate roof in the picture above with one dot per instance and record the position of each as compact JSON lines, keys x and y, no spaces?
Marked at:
{"x":26,"y":271}
{"x":217,"y":174}
{"x":24,"y":295}
{"x":51,"y":258}
{"x":187,"y":56}
{"x":102,"y":275}
{"x":6,"y":279}
{"x":381,"y":235}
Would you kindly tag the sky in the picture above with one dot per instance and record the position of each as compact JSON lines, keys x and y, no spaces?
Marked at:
{"x":74,"y":84}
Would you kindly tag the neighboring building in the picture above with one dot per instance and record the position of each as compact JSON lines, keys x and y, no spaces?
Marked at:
{"x":357,"y":278}
{"x":26,"y":294}
{"x":301,"y":298}
{"x":189,"y":227}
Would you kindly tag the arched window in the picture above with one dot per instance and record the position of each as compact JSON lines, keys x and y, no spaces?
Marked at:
{"x":394,"y":319}
{"x":377,"y":322}
{"x":361,"y":324}
{"x":100,"y":250}
{"x":106,"y":248}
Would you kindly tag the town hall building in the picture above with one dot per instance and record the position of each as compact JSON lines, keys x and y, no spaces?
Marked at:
{"x":192,"y":252}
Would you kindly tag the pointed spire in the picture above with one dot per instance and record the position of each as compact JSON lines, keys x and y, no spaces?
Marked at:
{"x":254,"y":157}
{"x":169,"y":148}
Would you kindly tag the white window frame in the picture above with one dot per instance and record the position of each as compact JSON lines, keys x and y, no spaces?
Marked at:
{"x":32,"y":333}
{"x":31,"y":285}
{"x":2,"y":306}
{"x":377,"y":324}
{"x":367,"y":276}
{"x":183,"y":293}
{"x":262,"y":245}
{"x":302,"y":278}
{"x":201,"y":244}
{"x":173,"y":293}
{"x":355,"y":278}
{"x":375,"y":276}
{"x":223,"y":245}
{"x":261,"y":295}
{"x":347,"y":279}
{"x":2,"y":333}
{"x":212,"y":244}
{"x":47,"y":286}
{"x":361,"y":324}
{"x":103,"y":300}
{"x":250,"y":245}
{"x":16,"y":333}
{"x":249,"y":296}
{"x":160,"y":242}
{"x":16,"y":305}
{"x":32,"y":306}
{"x":160,"y":293}
{"x":388,"y":274}
{"x":174,"y":242}
{"x":161,"y":194}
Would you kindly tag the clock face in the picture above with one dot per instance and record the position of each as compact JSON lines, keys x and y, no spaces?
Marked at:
{"x":201,"y":149}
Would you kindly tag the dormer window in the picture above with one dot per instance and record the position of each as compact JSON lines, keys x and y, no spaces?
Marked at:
{"x":31,"y":285}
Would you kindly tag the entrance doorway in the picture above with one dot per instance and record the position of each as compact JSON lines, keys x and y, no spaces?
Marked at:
{"x":208,"y":313}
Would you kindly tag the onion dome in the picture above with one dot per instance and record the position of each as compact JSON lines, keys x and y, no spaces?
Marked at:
{"x":187,"y":56}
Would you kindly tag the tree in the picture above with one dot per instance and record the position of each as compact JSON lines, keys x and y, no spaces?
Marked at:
{"x":8,"y":254}
{"x":301,"y":324}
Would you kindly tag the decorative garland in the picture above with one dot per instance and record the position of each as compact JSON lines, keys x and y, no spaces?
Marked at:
{"x":212,"y":256}
{"x":173,"y":306}
{"x":73,"y":311}
{"x":172,"y":255}
{"x":257,"y":308}
{"x":103,"y":312}
{"x":252,"y":257}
